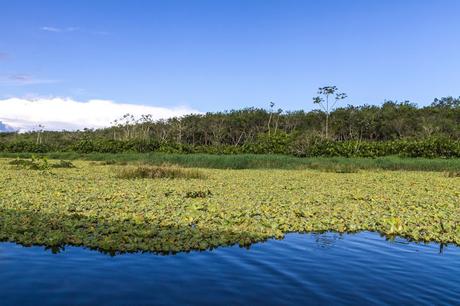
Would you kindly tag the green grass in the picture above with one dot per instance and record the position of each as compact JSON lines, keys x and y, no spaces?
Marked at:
{"x":254,"y":161}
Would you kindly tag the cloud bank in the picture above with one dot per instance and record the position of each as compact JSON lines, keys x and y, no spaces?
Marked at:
{"x":68,"y":114}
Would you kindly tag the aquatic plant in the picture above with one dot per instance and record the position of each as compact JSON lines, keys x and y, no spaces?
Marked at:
{"x":90,"y":206}
{"x":198,"y":194}
{"x":39,"y":163}
{"x":63,"y":164}
{"x":453,"y":174}
{"x":34,"y":163}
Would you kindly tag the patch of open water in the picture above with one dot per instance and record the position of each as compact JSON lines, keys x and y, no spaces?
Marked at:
{"x":328,"y":268}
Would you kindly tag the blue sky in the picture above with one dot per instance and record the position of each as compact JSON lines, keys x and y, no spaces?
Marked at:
{"x":217,"y":55}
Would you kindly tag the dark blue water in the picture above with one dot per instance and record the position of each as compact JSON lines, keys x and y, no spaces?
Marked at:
{"x":301,"y":269}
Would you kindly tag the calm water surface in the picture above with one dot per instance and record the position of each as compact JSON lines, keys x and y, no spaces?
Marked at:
{"x":303,"y":269}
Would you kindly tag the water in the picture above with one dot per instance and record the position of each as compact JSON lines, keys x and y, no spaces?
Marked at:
{"x":301,"y":269}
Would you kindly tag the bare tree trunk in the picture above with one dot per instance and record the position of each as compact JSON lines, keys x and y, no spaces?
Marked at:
{"x":269,"y":123}
{"x":276,"y":124}
{"x":239,"y":139}
{"x":180,"y":132}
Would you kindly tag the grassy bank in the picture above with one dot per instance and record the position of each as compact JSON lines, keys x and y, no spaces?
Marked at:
{"x":255,"y":161}
{"x":91,"y":205}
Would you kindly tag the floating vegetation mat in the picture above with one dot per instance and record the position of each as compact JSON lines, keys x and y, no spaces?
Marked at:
{"x":90,"y":206}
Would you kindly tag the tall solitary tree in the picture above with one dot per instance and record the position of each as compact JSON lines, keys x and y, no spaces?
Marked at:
{"x":272,"y":104}
{"x":40,"y":130}
{"x":327,"y":99}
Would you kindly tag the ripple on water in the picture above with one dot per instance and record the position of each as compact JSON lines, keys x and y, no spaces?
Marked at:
{"x":330,"y":268}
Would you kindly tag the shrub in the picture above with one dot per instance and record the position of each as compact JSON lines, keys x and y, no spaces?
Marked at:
{"x":300,"y":145}
{"x":26,"y":146}
{"x":306,"y":146}
{"x":270,"y":144}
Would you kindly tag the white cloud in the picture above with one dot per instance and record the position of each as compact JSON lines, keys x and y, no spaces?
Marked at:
{"x":50,"y":29}
{"x":58,"y":30}
{"x":19,"y":79}
{"x":74,"y":29}
{"x":65,"y":113}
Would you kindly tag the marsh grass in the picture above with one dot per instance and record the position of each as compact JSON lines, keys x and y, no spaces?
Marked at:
{"x":260,"y":161}
{"x":108,"y":162}
{"x":336,"y":168}
{"x":157,"y":172}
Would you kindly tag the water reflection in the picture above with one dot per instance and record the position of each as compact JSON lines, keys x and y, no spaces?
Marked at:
{"x":322,"y":240}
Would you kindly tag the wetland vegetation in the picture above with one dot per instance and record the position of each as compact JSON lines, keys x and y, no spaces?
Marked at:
{"x":236,"y":177}
{"x":256,"y":161}
{"x":90,"y":205}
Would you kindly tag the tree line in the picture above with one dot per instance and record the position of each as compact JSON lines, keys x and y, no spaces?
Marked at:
{"x":395,"y":126}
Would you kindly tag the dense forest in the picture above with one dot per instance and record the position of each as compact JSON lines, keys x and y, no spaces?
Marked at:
{"x":392,"y":128}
